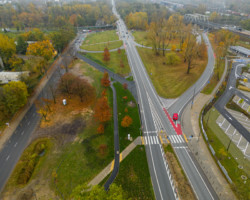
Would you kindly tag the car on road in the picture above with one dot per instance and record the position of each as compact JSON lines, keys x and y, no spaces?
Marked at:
{"x":175,"y":116}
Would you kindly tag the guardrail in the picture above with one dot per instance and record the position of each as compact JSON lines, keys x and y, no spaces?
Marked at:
{"x":212,"y":150}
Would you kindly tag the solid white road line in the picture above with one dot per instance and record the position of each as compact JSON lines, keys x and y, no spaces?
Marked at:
{"x":15,"y":144}
{"x":7,"y":158}
{"x":155,"y":140}
{"x":22,"y":133}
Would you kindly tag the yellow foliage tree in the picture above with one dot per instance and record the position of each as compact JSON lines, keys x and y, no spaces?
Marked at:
{"x":43,"y":48}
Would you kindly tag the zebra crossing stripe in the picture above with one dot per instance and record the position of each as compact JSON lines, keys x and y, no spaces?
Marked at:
{"x":177,"y":139}
{"x":151,"y":140}
{"x":146,"y":142}
{"x":155,"y":140}
{"x":173,"y":139}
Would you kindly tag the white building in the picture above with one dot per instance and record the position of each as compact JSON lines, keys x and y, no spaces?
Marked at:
{"x":6,"y":77}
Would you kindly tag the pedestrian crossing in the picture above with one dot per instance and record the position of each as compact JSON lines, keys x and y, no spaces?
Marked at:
{"x":150,"y":140}
{"x":176,"y":139}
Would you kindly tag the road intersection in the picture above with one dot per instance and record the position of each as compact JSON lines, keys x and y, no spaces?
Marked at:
{"x":153,"y":116}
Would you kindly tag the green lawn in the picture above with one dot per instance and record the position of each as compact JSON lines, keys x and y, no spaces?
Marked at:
{"x":170,"y":81}
{"x":134,"y":175}
{"x":142,"y":38}
{"x":107,"y":38}
{"x":114,"y":63}
{"x":208,"y":89}
{"x":134,"y":129}
{"x":219,"y":141}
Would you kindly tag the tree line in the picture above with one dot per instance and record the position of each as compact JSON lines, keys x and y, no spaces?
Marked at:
{"x":23,"y":16}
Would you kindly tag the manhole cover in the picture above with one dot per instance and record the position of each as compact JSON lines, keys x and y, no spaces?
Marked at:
{"x":240,"y":167}
{"x":243,"y":177}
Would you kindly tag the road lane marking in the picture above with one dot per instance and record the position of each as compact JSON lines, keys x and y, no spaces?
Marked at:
{"x":15,"y":144}
{"x":33,"y":114}
{"x":7,"y":158}
{"x":28,"y":123}
{"x":161,"y":139}
{"x":172,"y":138}
{"x":185,"y":137}
{"x":112,"y":166}
{"x":199,"y":174}
{"x":146,"y":141}
{"x":120,"y":157}
{"x":182,"y":141}
{"x":155,"y":140}
{"x":151,"y":140}
{"x":22,"y":133}
{"x":142,"y":140}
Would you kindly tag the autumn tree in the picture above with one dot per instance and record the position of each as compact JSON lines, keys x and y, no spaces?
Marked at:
{"x":22,"y":45}
{"x":42,"y":108}
{"x":190,"y":51}
{"x":119,"y":51}
{"x":126,"y":121}
{"x":106,"y":55}
{"x":62,"y":37}
{"x":105,"y":80}
{"x":100,"y":129}
{"x":43,"y":48}
{"x":7,"y":48}
{"x":125,"y":86}
{"x":84,"y":90}
{"x":66,"y":83}
{"x":102,"y":110}
{"x":14,"y":96}
{"x":15,"y":63}
{"x":137,"y":20}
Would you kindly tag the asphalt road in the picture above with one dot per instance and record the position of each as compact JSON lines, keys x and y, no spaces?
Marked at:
{"x":227,"y":95}
{"x":14,"y":147}
{"x":189,"y":94}
{"x":154,"y":119}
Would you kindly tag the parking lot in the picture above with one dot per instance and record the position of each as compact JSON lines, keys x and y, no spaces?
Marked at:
{"x":232,"y":133}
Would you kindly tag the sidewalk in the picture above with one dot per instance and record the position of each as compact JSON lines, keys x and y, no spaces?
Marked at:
{"x":199,"y":148}
{"x":109,"y":168}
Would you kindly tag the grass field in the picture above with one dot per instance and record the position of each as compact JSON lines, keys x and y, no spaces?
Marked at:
{"x":208,"y":89}
{"x":141,"y":37}
{"x":170,"y":81}
{"x":134,"y":175}
{"x":78,"y":161}
{"x":219,"y":141}
{"x":114,"y":63}
{"x":134,"y":129}
{"x":98,"y":41}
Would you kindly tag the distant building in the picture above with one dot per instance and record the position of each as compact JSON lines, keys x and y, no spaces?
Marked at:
{"x":240,"y":51}
{"x":6,"y":77}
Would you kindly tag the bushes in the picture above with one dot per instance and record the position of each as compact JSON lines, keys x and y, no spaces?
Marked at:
{"x":29,"y":161}
{"x":172,"y":59}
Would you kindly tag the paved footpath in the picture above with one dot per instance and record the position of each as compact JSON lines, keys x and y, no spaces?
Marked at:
{"x":106,"y":171}
{"x":197,"y":145}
